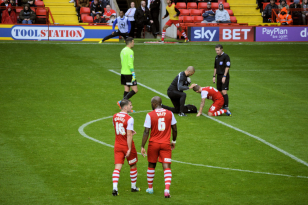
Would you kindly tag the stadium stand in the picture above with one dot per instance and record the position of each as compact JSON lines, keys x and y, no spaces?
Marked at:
{"x":62,"y":11}
{"x":245,"y":11}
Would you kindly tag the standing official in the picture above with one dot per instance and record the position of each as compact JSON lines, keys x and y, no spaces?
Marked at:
{"x":221,"y":68}
{"x":123,"y":25}
{"x":130,"y":13}
{"x":128,"y":76}
{"x":175,"y":91}
{"x":143,"y":17}
{"x":154,"y":7}
{"x":160,"y":122}
{"x":124,"y":146}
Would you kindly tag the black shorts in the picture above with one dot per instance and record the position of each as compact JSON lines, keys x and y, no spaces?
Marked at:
{"x":127,"y":80}
{"x":222,"y":86}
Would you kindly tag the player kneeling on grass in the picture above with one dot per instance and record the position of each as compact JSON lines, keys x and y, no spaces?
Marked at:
{"x":211,"y":94}
{"x":160,"y":122}
{"x":173,"y":19}
{"x":124,"y":146}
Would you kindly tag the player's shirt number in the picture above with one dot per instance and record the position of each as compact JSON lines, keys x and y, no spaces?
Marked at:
{"x":161,"y":124}
{"x":120,"y":129}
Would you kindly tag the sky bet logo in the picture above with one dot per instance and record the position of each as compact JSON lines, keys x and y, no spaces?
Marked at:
{"x":204,"y":34}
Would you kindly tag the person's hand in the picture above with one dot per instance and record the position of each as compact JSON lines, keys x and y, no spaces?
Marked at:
{"x":133,"y":77}
{"x":223,"y":80}
{"x":163,"y":17}
{"x":143,"y":151}
{"x":192,"y":85}
{"x":112,"y":33}
{"x":151,"y":21}
{"x":127,"y":153}
{"x":214,"y":79}
{"x":172,"y":146}
{"x":174,"y":15}
{"x":198,"y":115}
{"x":134,"y":132}
{"x":93,"y":12}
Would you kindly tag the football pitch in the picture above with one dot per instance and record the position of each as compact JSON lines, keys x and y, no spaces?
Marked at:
{"x":56,"y":135}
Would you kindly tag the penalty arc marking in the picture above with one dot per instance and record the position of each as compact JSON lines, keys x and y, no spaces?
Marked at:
{"x":232,"y":127}
{"x":81,"y":131}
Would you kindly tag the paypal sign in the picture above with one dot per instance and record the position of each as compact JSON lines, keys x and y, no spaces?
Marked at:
{"x":204,"y":33}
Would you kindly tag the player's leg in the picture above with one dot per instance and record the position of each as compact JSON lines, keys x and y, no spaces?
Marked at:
{"x":165,"y":159}
{"x":152,"y":153}
{"x":168,"y":24}
{"x":119,"y":156}
{"x":132,"y":92}
{"x":215,"y":108}
{"x":116,"y":33}
{"x":124,"y":35}
{"x":177,"y":24}
{"x":132,"y":161}
{"x":175,"y":99}
{"x":225,"y":88}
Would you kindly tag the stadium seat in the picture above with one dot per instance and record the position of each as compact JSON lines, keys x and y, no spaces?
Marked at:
{"x":39,"y":3}
{"x":41,"y":12}
{"x":215,"y":6}
{"x":202,"y":5}
{"x":82,"y":16}
{"x":184,"y":12}
{"x":198,"y":19}
{"x":188,"y":19}
{"x":230,"y":12}
{"x":233,"y":19}
{"x":18,"y":9}
{"x":226,"y":5}
{"x":180,"y":5}
{"x":180,"y":19}
{"x":88,"y":19}
{"x":195,"y":12}
{"x":84,"y":10}
{"x":221,"y":1}
{"x":192,"y":5}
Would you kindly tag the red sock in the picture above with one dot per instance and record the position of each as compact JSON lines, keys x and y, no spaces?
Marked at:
{"x":220,"y":112}
{"x":168,"y":176}
{"x":163,"y":35}
{"x":133,"y":177}
{"x":150,"y":177}
{"x":184,"y":34}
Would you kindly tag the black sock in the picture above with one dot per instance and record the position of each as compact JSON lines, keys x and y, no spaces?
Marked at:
{"x":125,"y":93}
{"x":129,"y":95}
{"x":226,"y":98}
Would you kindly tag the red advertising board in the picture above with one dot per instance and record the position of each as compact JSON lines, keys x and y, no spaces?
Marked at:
{"x":236,"y":33}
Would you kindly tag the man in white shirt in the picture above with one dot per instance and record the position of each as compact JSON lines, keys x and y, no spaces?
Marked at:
{"x":130,"y":15}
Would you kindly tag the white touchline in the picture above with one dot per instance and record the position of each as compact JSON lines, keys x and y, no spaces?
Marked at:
{"x":230,"y":126}
{"x":81,"y":131}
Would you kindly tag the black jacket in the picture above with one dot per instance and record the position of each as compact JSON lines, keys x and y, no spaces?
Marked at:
{"x":268,"y":10}
{"x":155,"y":5}
{"x":96,"y":8}
{"x":142,"y":16}
{"x":179,"y":83}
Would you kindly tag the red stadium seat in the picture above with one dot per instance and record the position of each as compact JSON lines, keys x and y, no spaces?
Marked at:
{"x":18,"y":9}
{"x":41,"y":12}
{"x":195,"y":12}
{"x":82,"y":16}
{"x":230,"y":12}
{"x":215,"y":6}
{"x":188,"y":19}
{"x":192,"y":5}
{"x":180,"y":19}
{"x":39,"y":3}
{"x":221,"y":1}
{"x":202,"y":5}
{"x":84,"y":10}
{"x":198,"y":19}
{"x":184,"y":12}
{"x":226,"y":5}
{"x":233,"y":19}
{"x":88,"y":19}
{"x":180,"y":5}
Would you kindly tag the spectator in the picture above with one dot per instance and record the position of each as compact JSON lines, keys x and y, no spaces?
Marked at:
{"x":99,"y":19}
{"x":283,"y":4}
{"x":27,"y":16}
{"x":108,"y":12}
{"x":81,"y":3}
{"x":209,"y":14}
{"x":284,"y":18}
{"x":222,"y":16}
{"x":104,"y":3}
{"x":305,"y":12}
{"x":130,"y":15}
{"x":297,"y":14}
{"x":9,"y":16}
{"x":5,"y":3}
{"x":12,"y":2}
{"x":95,"y":8}
{"x":267,"y":12}
{"x":111,"y":20}
{"x":143,"y":17}
{"x":154,"y":8}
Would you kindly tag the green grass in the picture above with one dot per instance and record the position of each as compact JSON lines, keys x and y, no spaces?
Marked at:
{"x":49,"y":89}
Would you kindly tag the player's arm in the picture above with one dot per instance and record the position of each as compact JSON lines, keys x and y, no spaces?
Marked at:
{"x":226,"y":69}
{"x":214,"y":75}
{"x":201,"y":107}
{"x":181,"y":86}
{"x":129,"y":26}
{"x":129,"y":142}
{"x":167,"y":14}
{"x":177,"y":12}
{"x":147,"y":127}
{"x":114,"y":24}
{"x":174,"y":132}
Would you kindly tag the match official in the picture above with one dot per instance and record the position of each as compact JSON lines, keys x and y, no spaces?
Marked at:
{"x":221,"y":68}
{"x":175,"y":91}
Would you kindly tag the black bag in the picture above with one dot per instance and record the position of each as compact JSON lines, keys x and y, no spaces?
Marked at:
{"x":190,"y":109}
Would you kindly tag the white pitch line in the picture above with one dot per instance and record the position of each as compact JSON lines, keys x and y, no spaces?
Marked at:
{"x":81,"y":131}
{"x":237,"y":129}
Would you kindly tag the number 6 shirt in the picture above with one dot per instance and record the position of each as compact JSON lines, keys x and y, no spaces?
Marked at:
{"x":160,"y":121}
{"x":122,"y":122}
